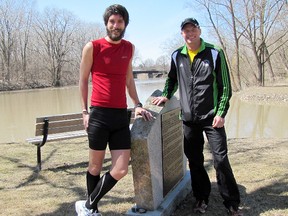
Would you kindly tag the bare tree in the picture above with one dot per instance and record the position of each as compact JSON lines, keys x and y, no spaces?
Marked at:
{"x":170,"y":45}
{"x":222,"y":15}
{"x":262,"y":31}
{"x":9,"y":25}
{"x":41,"y":49}
{"x":147,"y":64}
{"x":255,"y":25}
{"x":137,"y":60}
{"x":85,"y":33}
{"x":24,"y":37}
{"x":55,"y":29}
{"x":283,"y":56}
{"x":163,"y":63}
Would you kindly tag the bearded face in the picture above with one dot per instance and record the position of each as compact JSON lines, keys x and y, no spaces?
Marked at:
{"x":115,"y":34}
{"x":115,"y":27}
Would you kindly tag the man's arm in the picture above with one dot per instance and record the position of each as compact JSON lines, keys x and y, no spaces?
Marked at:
{"x":224,"y":91}
{"x":130,"y":84}
{"x":171,"y":86}
{"x":85,"y":69}
{"x":223,"y":84}
{"x":131,"y":89}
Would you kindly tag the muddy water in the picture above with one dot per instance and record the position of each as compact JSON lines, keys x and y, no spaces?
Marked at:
{"x":20,"y":108}
{"x":258,"y":121}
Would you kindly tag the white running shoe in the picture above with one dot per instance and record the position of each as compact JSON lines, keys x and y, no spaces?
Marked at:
{"x":83,"y":211}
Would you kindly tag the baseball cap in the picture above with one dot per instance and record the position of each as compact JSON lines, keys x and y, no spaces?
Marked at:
{"x":189,"y":21}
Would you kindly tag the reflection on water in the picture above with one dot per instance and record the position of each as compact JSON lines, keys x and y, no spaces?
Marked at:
{"x":256,"y":121}
{"x":20,"y":108}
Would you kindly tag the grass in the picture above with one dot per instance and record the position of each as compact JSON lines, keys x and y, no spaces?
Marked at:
{"x":260,"y":167}
{"x":261,"y":171}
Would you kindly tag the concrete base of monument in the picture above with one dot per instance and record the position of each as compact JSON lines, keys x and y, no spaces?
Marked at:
{"x":170,"y":202}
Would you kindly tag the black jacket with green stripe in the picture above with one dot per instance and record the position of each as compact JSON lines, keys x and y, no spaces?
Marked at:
{"x":204,"y":85}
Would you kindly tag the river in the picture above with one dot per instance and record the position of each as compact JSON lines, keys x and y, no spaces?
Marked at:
{"x":20,"y":108}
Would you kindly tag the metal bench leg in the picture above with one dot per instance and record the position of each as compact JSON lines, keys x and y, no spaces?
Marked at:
{"x":38,"y":157}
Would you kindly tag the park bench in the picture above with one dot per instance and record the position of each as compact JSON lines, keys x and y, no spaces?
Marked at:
{"x":58,"y":127}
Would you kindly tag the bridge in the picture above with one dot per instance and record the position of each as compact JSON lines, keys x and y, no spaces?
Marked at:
{"x":148,"y":74}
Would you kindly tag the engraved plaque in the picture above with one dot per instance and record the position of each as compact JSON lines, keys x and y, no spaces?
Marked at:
{"x":172,"y":157}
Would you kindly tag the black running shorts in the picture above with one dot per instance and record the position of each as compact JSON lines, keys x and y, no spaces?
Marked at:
{"x":108,"y":126}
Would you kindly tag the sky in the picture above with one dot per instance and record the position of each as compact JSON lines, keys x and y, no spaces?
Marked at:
{"x":152,"y":22}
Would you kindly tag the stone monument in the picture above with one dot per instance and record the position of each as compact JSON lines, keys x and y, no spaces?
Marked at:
{"x":159,"y":167}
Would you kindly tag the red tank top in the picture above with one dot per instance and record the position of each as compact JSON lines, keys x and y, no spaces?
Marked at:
{"x":109,"y":70}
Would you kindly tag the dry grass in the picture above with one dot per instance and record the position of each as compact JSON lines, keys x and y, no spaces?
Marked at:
{"x":260,"y":167}
{"x":60,"y":183}
{"x":261,"y":170}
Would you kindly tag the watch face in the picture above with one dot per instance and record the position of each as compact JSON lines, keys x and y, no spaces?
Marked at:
{"x":139,"y":105}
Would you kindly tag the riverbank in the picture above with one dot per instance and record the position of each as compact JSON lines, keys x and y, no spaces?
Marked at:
{"x":277,"y":95}
{"x":260,"y":167}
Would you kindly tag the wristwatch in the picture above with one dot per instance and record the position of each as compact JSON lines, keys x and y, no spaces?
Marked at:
{"x":138,"y":105}
{"x":85,"y":112}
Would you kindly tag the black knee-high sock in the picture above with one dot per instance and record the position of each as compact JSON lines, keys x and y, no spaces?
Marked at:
{"x":91,"y":181}
{"x":105,"y":184}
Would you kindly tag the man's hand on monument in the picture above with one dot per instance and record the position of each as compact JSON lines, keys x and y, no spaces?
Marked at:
{"x":159,"y":100}
{"x":144,"y":113}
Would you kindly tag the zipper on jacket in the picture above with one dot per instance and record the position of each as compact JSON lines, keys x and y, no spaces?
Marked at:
{"x":192,"y":108}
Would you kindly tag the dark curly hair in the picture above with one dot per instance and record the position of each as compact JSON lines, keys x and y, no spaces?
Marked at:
{"x":116,"y":9}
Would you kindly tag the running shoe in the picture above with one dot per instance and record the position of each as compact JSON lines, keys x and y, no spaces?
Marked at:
{"x":82,"y":210}
{"x":200,"y":206}
{"x":234,"y":212}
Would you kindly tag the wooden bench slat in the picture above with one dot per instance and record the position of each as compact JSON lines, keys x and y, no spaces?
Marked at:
{"x":59,"y":117}
{"x":61,"y":129}
{"x":59,"y":136}
{"x":60,"y":123}
{"x":67,"y":125}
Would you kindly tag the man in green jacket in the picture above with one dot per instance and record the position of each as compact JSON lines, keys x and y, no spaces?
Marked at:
{"x":200,"y":71}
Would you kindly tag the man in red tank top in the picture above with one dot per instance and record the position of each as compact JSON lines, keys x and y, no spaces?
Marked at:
{"x":109,"y":61}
